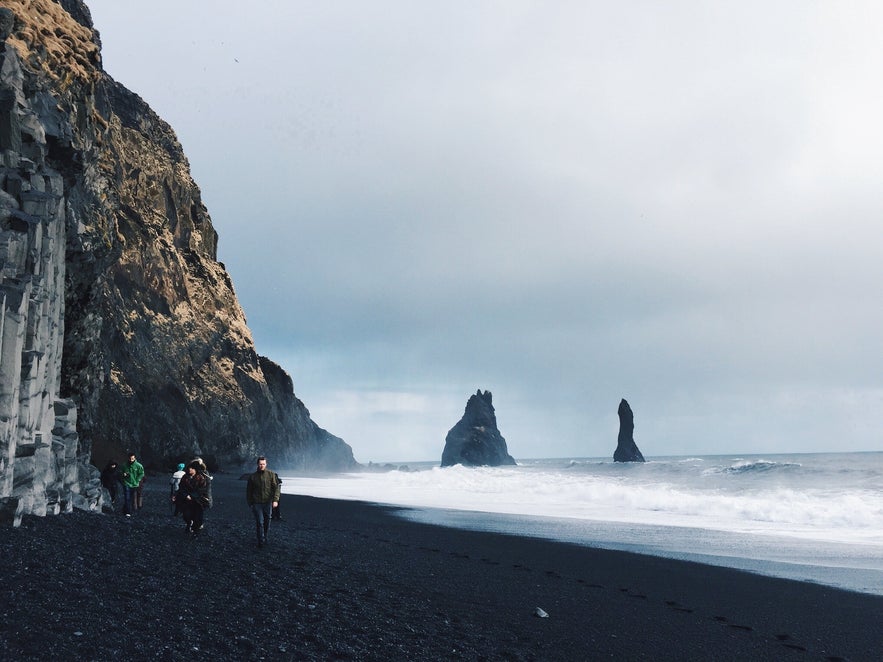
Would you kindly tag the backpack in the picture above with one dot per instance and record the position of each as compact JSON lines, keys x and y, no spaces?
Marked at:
{"x":207,"y":499}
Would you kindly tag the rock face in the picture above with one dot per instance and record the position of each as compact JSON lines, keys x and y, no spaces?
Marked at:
{"x":626,"y":448}
{"x":119,"y":327}
{"x":475,"y":439}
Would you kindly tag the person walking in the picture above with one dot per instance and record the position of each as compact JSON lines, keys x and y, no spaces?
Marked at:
{"x":133,"y":473}
{"x":262,"y":493}
{"x":193,"y":497}
{"x":110,"y":478}
{"x":175,"y":483}
{"x":203,"y":469}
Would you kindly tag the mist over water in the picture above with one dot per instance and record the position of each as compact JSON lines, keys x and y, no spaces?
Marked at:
{"x":815,"y":517}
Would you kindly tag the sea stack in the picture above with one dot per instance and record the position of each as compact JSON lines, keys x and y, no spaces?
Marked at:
{"x":475,"y":440}
{"x":626,"y":448}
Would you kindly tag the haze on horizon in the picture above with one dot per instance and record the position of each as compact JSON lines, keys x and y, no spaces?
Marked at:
{"x":564,"y":203}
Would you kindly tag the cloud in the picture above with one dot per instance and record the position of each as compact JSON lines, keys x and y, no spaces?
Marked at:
{"x":565,"y":204}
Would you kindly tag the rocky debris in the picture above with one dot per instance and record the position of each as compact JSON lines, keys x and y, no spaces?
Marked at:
{"x":475,"y":439}
{"x":112,"y":300}
{"x":626,"y":448}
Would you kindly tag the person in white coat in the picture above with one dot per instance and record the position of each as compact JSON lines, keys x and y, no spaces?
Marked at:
{"x":175,"y":482}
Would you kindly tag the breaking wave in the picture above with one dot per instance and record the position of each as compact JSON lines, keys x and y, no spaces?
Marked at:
{"x":782,"y":515}
{"x":747,"y":466}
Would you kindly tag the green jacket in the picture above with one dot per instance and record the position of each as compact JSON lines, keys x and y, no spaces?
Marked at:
{"x":262,"y":487}
{"x":136,"y":473}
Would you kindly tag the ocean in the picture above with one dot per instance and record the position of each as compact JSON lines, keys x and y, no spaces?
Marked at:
{"x":811,"y":517}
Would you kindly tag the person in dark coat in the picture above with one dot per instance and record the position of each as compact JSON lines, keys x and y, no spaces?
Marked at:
{"x":193,"y":497}
{"x":110,"y":479}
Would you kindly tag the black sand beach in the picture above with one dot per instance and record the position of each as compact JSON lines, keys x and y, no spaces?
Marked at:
{"x":350,"y":581}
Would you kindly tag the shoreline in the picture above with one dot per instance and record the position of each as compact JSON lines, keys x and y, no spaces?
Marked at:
{"x":761,"y":554}
{"x":352,"y":580}
{"x":805,"y":517}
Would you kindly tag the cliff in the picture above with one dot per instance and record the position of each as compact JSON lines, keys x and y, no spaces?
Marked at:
{"x":475,"y":439}
{"x":114,"y":303}
{"x":626,"y":448}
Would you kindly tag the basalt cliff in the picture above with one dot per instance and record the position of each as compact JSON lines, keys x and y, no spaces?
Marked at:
{"x":119,"y":329}
{"x":475,"y":440}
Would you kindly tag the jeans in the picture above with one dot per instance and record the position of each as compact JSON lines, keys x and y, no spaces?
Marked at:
{"x":261,"y":512}
{"x":128,"y":499}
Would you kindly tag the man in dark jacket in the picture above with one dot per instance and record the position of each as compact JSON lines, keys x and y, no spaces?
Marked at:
{"x":262,"y":493}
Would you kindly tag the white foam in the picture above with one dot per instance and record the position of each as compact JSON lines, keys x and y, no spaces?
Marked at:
{"x":638,"y":495}
{"x":812,"y":518}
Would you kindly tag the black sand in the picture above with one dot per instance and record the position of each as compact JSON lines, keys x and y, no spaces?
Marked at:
{"x":346,"y":580}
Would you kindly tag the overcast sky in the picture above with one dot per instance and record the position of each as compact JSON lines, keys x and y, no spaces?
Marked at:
{"x":565,"y":203}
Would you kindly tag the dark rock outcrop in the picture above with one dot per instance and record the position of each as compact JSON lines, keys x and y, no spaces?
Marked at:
{"x":113,"y":301}
{"x":475,"y":439}
{"x":626,"y":448}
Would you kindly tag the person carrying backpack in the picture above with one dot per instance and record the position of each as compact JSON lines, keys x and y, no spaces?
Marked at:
{"x":194,"y":497}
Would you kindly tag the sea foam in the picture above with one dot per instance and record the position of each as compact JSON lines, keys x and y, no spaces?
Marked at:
{"x":829,"y":506}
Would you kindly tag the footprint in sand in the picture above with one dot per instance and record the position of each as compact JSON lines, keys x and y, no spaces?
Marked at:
{"x":678,"y":607}
{"x":736,"y":626}
{"x":786,"y":642}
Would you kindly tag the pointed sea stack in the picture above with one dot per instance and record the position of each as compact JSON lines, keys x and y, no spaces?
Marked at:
{"x":475,"y":440}
{"x":626,"y":448}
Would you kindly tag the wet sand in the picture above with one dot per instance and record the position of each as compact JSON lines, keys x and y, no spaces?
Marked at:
{"x":346,"y":580}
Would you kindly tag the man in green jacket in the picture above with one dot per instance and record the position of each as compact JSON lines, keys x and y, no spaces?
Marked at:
{"x":133,"y":472}
{"x":262,"y":493}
